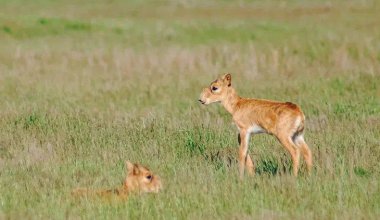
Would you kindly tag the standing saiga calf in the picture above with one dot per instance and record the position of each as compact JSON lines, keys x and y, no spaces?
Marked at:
{"x":284,"y":120}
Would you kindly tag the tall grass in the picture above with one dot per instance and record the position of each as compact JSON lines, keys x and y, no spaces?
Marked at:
{"x":84,"y":88}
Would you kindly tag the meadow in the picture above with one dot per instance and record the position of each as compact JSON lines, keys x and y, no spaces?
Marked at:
{"x":86,"y":85}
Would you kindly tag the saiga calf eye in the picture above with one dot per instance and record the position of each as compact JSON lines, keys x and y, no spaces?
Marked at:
{"x":214,"y":88}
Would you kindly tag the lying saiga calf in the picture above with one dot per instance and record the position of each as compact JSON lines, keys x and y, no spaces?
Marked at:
{"x":284,"y":120}
{"x":139,"y":179}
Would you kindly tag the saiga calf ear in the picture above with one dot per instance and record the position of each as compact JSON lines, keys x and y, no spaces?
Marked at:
{"x":227,"y":79}
{"x":131,"y":168}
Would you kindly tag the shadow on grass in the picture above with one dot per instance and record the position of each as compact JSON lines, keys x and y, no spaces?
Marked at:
{"x":226,"y":158}
{"x":268,"y":166}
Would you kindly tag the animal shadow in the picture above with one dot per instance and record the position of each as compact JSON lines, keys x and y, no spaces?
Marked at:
{"x":225,"y":158}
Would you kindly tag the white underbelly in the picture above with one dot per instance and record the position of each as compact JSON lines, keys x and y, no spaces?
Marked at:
{"x":256,"y":129}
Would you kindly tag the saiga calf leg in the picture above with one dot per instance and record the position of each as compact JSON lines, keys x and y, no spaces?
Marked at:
{"x":294,"y":151}
{"x":248,"y":161}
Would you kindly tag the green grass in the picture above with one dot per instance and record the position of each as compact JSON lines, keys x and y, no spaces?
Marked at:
{"x":85,"y":88}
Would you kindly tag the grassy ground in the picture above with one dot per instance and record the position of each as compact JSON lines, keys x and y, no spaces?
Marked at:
{"x":85,"y":86}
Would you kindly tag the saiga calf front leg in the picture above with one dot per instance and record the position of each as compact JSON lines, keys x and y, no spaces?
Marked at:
{"x":244,"y":158}
{"x":248,"y":161}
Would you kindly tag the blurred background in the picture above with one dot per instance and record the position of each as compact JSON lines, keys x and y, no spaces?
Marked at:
{"x":85,"y":85}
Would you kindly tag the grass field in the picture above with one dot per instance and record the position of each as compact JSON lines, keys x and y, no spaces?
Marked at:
{"x":86,"y":85}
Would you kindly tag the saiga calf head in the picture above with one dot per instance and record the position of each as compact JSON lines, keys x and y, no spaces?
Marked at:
{"x":140,"y":178}
{"x":217,"y":91}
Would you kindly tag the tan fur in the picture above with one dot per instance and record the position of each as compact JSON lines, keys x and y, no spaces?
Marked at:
{"x":284,"y":120}
{"x":139,"y":179}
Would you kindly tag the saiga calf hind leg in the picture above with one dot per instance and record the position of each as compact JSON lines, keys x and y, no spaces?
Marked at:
{"x":306,"y":152}
{"x":294,"y":151}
